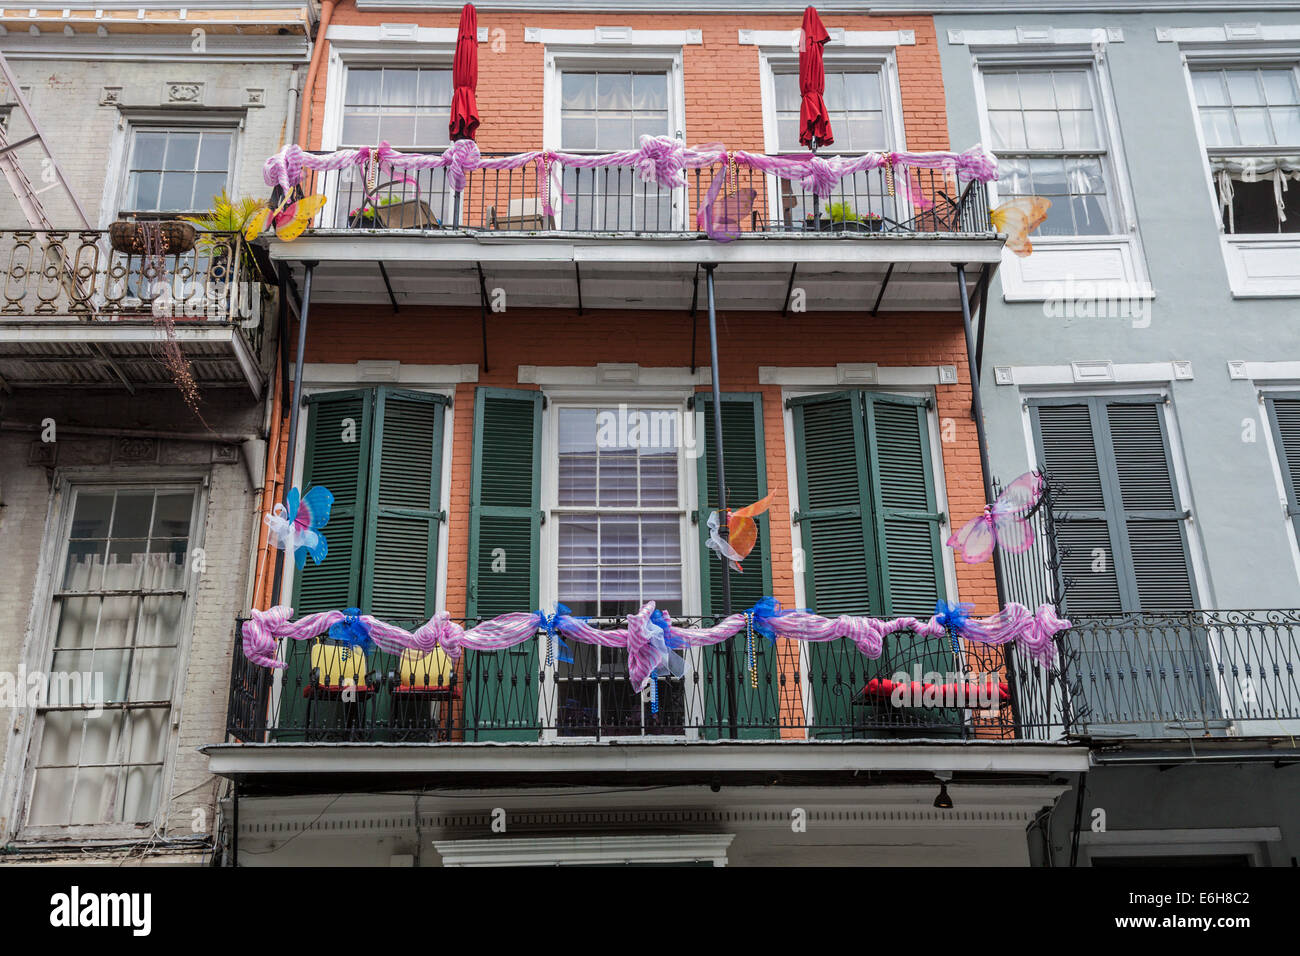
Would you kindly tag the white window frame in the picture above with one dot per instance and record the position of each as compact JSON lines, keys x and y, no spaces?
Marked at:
{"x":1253,"y":842}
{"x":641,"y":848}
{"x":388,"y":45}
{"x":625,"y":58}
{"x":910,"y":382}
{"x":116,"y":187}
{"x":1114,"y":265}
{"x":866,"y":56}
{"x":25,"y":745}
{"x":674,"y":399}
{"x":1259,"y":265}
{"x":1288,"y":385}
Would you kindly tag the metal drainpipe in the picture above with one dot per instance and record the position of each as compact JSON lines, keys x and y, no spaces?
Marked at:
{"x":722,"y":495}
{"x":313,"y":68}
{"x":977,"y":412}
{"x":294,"y":414}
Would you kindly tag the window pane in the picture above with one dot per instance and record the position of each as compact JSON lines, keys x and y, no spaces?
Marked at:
{"x":1072,"y":91}
{"x":132,"y":515}
{"x":1001,"y":92}
{"x":1252,"y":124}
{"x":650,"y":91}
{"x":1036,"y":91}
{"x":435,"y":88}
{"x":172,"y":514}
{"x":214,"y":153}
{"x":577,"y":540}
{"x":1008,"y":130}
{"x":91,"y":516}
{"x":620,"y":541}
{"x":399,"y":88}
{"x":360,"y":129}
{"x":150,"y":148}
{"x":1244,"y":88}
{"x":834,"y":94}
{"x":182,"y":151}
{"x":142,"y":193}
{"x":578,"y":133}
{"x":177,"y":191}
{"x":618,"y":479}
{"x":1286,"y":125}
{"x":862,"y":91}
{"x":363,"y":88}
{"x":614,"y":91}
{"x":578,"y":91}
{"x":1218,"y":127}
{"x":1078,"y":130}
{"x":1042,"y":129}
{"x":1209,"y":88}
{"x":614,"y":132}
{"x":1280,"y":87}
{"x":786,"y":89}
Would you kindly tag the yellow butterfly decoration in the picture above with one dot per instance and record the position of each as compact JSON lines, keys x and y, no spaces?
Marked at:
{"x":290,"y":217}
{"x":1018,"y":218}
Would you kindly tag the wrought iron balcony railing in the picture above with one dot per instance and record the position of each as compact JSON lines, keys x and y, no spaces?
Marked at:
{"x":77,"y":274}
{"x":615,"y":200}
{"x":829,"y":691}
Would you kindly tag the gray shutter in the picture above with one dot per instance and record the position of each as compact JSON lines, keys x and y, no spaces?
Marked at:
{"x":1153,"y":521}
{"x":1067,"y":449}
{"x":1284,"y":412}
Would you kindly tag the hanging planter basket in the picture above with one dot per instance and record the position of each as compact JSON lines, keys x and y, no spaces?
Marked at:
{"x":130,"y":238}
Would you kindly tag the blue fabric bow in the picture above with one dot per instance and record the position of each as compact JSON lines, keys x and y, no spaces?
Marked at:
{"x":352,"y":631}
{"x":952,"y":616}
{"x":547,"y":624}
{"x":660,"y":620}
{"x":765,"y":610}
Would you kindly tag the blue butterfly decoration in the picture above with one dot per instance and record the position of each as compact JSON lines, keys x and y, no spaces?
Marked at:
{"x":295,"y":525}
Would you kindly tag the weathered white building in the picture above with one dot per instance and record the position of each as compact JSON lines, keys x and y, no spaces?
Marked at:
{"x":128,"y":517}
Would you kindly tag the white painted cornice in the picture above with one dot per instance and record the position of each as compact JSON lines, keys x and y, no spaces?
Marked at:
{"x":167,"y":47}
{"x":615,"y":36}
{"x":840,"y":39}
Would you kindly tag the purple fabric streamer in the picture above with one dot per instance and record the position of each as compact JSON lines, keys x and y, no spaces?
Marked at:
{"x":658,"y":159}
{"x":265,"y":629}
{"x":649,"y":648}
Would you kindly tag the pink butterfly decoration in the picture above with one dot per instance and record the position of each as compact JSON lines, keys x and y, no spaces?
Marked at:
{"x":1002,"y":523}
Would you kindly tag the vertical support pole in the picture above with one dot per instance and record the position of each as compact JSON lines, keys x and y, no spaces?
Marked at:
{"x":986,"y":470}
{"x":722,"y":494}
{"x":295,"y":407}
{"x":234,"y":823}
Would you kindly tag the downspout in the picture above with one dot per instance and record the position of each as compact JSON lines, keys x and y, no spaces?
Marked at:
{"x":309,"y":88}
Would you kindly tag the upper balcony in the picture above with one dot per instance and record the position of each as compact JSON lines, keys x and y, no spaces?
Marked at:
{"x":80,"y":308}
{"x":572,"y":237}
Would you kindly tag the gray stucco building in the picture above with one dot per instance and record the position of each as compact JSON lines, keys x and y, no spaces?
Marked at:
{"x":1146,"y":352}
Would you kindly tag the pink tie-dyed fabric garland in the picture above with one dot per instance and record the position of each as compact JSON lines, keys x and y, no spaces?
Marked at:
{"x":650,"y":638}
{"x":658,"y":159}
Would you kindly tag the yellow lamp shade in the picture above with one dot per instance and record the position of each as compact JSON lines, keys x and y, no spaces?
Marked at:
{"x":337,"y":665}
{"x":425,"y":670}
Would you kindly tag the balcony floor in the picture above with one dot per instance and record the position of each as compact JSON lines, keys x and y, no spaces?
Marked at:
{"x":837,"y":273}
{"x":62,"y":352}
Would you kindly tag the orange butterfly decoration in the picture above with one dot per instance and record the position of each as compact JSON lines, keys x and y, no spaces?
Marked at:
{"x":290,"y":216}
{"x":1018,"y":218}
{"x":742,"y":531}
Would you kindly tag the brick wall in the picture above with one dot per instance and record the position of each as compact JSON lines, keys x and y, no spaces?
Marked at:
{"x":746,"y":341}
{"x":723,"y":101}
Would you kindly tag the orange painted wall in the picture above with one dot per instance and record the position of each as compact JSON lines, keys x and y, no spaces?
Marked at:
{"x":723,"y":100}
{"x":746,"y":341}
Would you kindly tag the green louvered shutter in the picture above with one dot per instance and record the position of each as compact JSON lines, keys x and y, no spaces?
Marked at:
{"x":837,"y":539}
{"x":908,"y":542}
{"x":339,"y":429}
{"x":904,"y":500}
{"x":403,"y":515}
{"x":1067,"y":448}
{"x":746,"y":468}
{"x":1284,"y":413}
{"x":501,"y":687}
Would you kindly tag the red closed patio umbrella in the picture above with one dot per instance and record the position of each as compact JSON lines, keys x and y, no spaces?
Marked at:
{"x":464,"y":77}
{"x":814,"y":121}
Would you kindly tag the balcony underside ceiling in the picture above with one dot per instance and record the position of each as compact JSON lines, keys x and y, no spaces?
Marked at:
{"x":72,"y":352}
{"x":847,"y":275}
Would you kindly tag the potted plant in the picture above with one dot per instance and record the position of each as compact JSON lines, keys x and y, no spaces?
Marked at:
{"x":226,"y":216}
{"x":844,"y":218}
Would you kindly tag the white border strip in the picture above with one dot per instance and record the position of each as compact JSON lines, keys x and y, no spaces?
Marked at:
{"x":614,"y":36}
{"x":840,"y":38}
{"x":855,"y":375}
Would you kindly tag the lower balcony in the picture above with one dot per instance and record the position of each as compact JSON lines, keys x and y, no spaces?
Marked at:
{"x":75,"y":311}
{"x":918,"y":688}
{"x":1196,"y":674}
